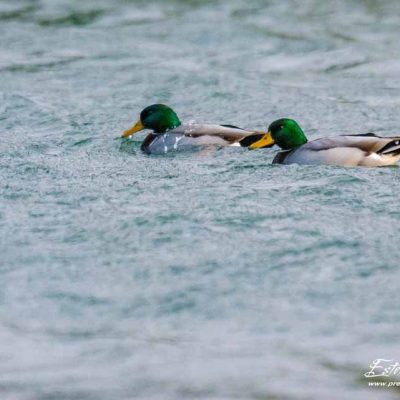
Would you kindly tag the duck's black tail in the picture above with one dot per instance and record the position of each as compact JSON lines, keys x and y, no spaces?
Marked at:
{"x":392,"y":148}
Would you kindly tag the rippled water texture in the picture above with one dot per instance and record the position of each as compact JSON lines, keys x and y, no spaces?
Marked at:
{"x":209,"y":275}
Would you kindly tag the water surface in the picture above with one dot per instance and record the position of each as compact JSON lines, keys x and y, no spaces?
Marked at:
{"x":210,"y":275}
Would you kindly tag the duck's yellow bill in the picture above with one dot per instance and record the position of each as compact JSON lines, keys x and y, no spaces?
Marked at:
{"x":135,"y":128}
{"x":265,"y":141}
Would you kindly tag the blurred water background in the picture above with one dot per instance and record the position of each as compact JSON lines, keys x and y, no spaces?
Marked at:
{"x":209,"y":275}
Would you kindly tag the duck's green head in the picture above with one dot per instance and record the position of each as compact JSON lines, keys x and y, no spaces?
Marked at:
{"x":285,"y":132}
{"x":158,"y":117}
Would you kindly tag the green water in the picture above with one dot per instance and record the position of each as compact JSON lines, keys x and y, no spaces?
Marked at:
{"x":209,"y":275}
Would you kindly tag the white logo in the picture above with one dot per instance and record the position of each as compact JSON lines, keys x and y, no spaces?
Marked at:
{"x":384,"y":368}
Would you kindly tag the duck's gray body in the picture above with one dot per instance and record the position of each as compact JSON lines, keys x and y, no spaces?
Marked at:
{"x":367,"y":150}
{"x":188,"y":136}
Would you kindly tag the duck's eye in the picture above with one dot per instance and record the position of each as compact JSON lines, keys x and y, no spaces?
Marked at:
{"x":147,"y":113}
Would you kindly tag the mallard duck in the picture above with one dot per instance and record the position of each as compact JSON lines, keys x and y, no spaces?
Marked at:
{"x":169,"y":134}
{"x":368,"y":150}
